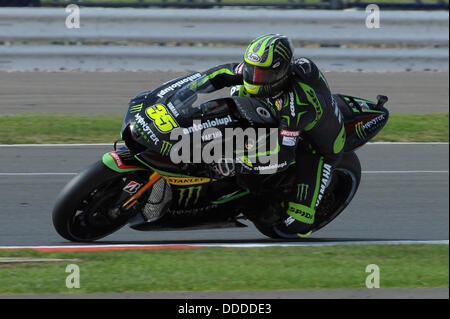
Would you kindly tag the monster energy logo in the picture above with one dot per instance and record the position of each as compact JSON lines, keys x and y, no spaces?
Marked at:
{"x":136,"y":108}
{"x":302,"y":191}
{"x":283,"y":51}
{"x":165,"y":148}
{"x":190,"y":194}
{"x":360,"y":130}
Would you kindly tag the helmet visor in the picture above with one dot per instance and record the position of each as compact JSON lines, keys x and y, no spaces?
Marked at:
{"x":257,"y":75}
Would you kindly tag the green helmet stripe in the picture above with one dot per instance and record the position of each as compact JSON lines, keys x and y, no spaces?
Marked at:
{"x":263,"y":46}
{"x":255,"y":42}
{"x":258,"y":39}
{"x":263,"y":40}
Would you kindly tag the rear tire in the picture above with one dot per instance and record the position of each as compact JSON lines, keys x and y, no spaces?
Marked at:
{"x":80,"y":212}
{"x":345,"y":183}
{"x":347,"y":177}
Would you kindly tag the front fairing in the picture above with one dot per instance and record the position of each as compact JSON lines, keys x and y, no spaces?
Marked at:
{"x":153,"y":115}
{"x":154,"y":120}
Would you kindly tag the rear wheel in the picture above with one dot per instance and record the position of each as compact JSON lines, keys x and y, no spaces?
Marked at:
{"x":85,"y":210}
{"x":346,"y":179}
{"x":344,"y":184}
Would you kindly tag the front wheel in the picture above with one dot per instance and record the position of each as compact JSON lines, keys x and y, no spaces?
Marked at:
{"x":84,"y":210}
{"x":343,"y":187}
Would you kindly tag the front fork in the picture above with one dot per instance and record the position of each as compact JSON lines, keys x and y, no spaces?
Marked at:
{"x":154,"y":177}
{"x":122,"y":161}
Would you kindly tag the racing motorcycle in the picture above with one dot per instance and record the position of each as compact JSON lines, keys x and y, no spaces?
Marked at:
{"x":138,"y":184}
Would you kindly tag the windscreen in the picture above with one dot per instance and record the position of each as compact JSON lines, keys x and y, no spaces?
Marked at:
{"x":183,"y":101}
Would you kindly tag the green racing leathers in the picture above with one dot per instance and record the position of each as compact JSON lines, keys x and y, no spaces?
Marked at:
{"x":307,"y":113}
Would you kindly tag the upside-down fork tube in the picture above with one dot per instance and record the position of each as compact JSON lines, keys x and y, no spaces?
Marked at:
{"x":133,"y":199}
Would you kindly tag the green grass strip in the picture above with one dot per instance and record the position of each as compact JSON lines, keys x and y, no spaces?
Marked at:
{"x":415,"y":128}
{"x":231,"y":269}
{"x":101,"y":128}
{"x":59,"y":128}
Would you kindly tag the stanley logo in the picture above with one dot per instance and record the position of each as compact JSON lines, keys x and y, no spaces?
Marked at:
{"x":182,"y":181}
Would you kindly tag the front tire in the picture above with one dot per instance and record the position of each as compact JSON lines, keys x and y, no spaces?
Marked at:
{"x":81,"y":209}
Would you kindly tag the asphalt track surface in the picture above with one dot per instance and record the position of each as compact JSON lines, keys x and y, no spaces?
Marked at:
{"x":403,"y":196}
{"x":408,"y":203}
{"x":411,"y":203}
{"x":109,"y":92}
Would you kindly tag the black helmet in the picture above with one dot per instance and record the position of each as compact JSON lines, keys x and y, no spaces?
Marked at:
{"x":267,"y":64}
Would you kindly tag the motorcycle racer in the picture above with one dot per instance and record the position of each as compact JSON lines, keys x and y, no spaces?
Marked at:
{"x":298,"y":96}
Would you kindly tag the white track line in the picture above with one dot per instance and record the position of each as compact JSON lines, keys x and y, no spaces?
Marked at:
{"x":253,"y":245}
{"x":368,"y":242}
